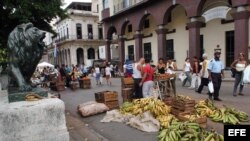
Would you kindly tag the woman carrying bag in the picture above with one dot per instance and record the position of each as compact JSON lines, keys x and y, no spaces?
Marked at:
{"x":239,"y":66}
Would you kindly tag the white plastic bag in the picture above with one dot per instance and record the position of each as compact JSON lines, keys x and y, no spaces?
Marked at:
{"x":101,"y":79}
{"x":246,"y":76}
{"x":94,"y":74}
{"x":182,"y":76}
{"x":211,"y":87}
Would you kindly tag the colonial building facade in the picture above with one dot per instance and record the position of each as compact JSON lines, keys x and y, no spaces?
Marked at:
{"x":176,"y":29}
{"x":78,"y":36}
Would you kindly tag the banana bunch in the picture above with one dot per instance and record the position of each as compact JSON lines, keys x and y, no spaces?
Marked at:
{"x":192,"y":117}
{"x":188,"y":131}
{"x":242,"y":116}
{"x":181,"y":131}
{"x":139,"y":106}
{"x":205,"y":108}
{"x":182,"y":97}
{"x":229,"y":115}
{"x":212,"y":136}
{"x":165,"y":121}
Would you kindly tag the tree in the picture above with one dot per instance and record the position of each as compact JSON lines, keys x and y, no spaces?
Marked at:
{"x":15,"y":12}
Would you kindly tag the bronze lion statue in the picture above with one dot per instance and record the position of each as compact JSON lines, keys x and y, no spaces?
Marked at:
{"x":25,"y":46}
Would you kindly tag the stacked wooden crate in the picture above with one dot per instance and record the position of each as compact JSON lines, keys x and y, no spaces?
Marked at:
{"x":182,"y":105}
{"x":128,"y":83}
{"x":127,"y":94}
{"x":85,"y":83}
{"x":109,"y":98}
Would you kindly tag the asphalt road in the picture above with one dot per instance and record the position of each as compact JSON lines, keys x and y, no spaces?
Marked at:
{"x":121,"y":132}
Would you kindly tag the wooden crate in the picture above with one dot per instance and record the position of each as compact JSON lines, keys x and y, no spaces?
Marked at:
{"x":202,"y":120}
{"x":74,"y":85}
{"x":86,"y":84}
{"x":184,"y":105}
{"x":127,"y":94}
{"x":128,"y":81}
{"x":60,"y":87}
{"x":168,"y":101}
{"x":176,"y":112}
{"x":104,"y":96}
{"x":112,"y":104}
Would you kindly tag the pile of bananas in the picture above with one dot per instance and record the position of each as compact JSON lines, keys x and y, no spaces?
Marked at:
{"x":139,"y":106}
{"x":205,"y":107}
{"x":187,"y":131}
{"x":159,"y":110}
{"x":225,"y":114}
{"x":182,"y":97}
{"x":212,"y":136}
{"x":165,"y":121}
{"x":229,"y":115}
{"x":192,"y":117}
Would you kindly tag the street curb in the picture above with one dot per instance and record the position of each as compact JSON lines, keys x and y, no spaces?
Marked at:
{"x":88,"y":133}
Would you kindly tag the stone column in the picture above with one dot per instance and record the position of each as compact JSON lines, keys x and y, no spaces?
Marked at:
{"x":241,"y":31}
{"x":138,"y":45}
{"x":121,"y":47}
{"x":121,"y":44}
{"x":108,"y":55}
{"x":194,"y":38}
{"x":161,"y":39}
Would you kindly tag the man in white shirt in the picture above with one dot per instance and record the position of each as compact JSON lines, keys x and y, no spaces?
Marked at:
{"x":137,"y":76}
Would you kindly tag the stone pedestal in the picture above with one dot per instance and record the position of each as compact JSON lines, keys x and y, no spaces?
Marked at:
{"x":42,"y":120}
{"x":3,"y":97}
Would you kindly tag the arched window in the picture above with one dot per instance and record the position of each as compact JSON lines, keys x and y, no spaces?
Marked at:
{"x":91,"y":53}
{"x":79,"y":55}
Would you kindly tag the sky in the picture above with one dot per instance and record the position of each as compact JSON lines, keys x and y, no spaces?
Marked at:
{"x":69,"y":1}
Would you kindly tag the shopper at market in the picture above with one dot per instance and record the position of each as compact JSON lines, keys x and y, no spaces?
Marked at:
{"x":204,"y":73}
{"x":187,"y":69}
{"x":161,"y":66}
{"x":108,"y":74}
{"x":128,"y":68}
{"x":195,"y":74}
{"x":239,"y":66}
{"x":147,"y":79}
{"x":137,"y":76}
{"x":216,"y":73}
{"x":97,"y":75}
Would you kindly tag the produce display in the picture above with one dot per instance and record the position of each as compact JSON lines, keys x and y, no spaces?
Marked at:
{"x":225,"y":114}
{"x":183,"y":97}
{"x":192,"y":117}
{"x":205,"y":108}
{"x":188,"y":131}
{"x":165,"y":76}
{"x":159,"y":110}
{"x":139,"y":106}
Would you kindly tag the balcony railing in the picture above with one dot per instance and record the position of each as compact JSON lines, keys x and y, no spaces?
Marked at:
{"x":125,"y":4}
{"x":79,"y":37}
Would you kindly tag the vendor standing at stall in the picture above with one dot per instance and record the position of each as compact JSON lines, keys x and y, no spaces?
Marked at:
{"x":161,"y":66}
{"x":147,"y":79}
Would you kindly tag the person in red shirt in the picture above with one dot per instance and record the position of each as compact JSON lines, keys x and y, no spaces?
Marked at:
{"x":147,"y":79}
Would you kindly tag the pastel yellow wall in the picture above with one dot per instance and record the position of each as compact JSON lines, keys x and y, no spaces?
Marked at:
{"x":180,"y":37}
{"x":214,"y":34}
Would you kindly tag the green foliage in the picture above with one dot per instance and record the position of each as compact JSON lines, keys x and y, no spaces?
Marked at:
{"x":15,"y":12}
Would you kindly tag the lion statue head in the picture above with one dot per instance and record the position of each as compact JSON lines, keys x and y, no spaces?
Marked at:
{"x":25,"y":46}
